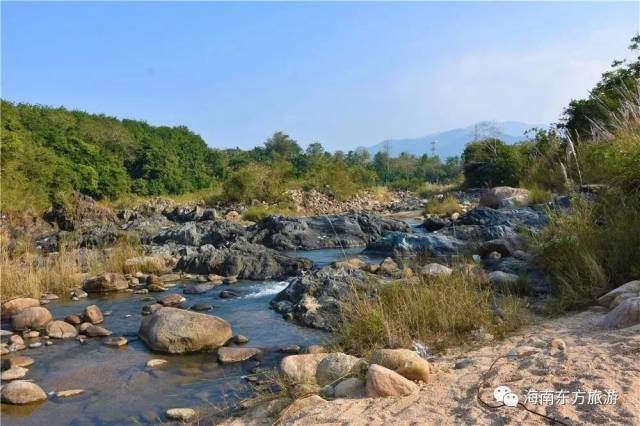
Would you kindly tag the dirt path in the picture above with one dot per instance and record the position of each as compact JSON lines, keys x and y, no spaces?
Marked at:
{"x":594,"y":360}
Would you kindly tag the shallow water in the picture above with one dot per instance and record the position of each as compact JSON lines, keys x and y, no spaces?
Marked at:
{"x":119,"y":389}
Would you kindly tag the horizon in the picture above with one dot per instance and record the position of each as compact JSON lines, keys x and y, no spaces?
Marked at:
{"x":352,"y":74}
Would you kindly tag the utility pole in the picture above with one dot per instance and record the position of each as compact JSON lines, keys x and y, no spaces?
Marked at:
{"x":433,"y":148}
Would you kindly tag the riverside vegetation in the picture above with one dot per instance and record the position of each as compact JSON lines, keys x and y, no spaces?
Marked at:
{"x":510,"y":232}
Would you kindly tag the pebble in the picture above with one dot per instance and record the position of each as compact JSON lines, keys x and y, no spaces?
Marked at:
{"x":31,"y":334}
{"x":291,"y":349}
{"x":181,"y":414}
{"x":68,"y":393}
{"x":48,"y":343}
{"x":115,"y":341}
{"x":157,"y":362}
{"x":35,"y":345}
{"x":240,"y":339}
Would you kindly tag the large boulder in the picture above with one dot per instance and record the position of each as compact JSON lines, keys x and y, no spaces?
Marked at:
{"x":20,"y":392}
{"x":382,"y":382}
{"x":626,"y":314}
{"x":301,"y":369}
{"x":504,"y":196}
{"x":214,"y":232}
{"x":326,"y":231}
{"x":33,"y":318}
{"x":61,"y":330}
{"x":93,"y":314}
{"x":16,"y":305}
{"x":244,"y":260}
{"x":106,"y":282}
{"x":172,"y":330}
{"x":397,"y":244}
{"x":404,"y":362}
{"x":620,"y":294}
{"x":336,"y":366}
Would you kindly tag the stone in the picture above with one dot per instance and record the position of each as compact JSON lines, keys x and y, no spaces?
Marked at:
{"x":390,"y":268}
{"x":172,"y":300}
{"x":16,"y":340}
{"x":73,"y":319}
{"x":33,"y":318}
{"x":181,"y":414}
{"x":351,"y":387}
{"x":35,"y":345}
{"x":20,"y":392}
{"x":504,"y":196}
{"x":49,"y":296}
{"x":61,"y":330}
{"x":228,"y":294}
{"x":69,"y":393}
{"x":32,"y":334}
{"x":13,"y":373}
{"x":382,"y":382}
{"x":156,"y":363}
{"x":5,"y":333}
{"x":626,"y":314}
{"x":239,"y":339}
{"x":14,"y":306}
{"x":79,"y":293}
{"x":93,"y":314}
{"x":494,"y":255}
{"x":436,"y":270}
{"x":291,"y":349}
{"x":558,"y":344}
{"x":198,"y":288}
{"x":174,"y":330}
{"x":153,"y":279}
{"x":228,"y":355}
{"x":214,"y":278}
{"x":404,"y":362}
{"x":504,"y":247}
{"x":170,"y":278}
{"x":149,"y":309}
{"x":97,"y":331}
{"x":618,"y":295}
{"x":106,"y":282}
{"x":201,"y":307}
{"x":336,"y":366}
{"x":232,"y":279}
{"x":115,"y":341}
{"x":84,"y":326}
{"x":300,"y":404}
{"x":156,"y":288}
{"x":17,"y":361}
{"x":301,"y":368}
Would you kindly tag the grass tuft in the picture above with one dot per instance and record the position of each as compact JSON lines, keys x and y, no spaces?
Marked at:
{"x":442,"y":206}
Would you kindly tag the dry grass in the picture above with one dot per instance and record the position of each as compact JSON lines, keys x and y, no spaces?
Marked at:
{"x":429,"y":189}
{"x":442,"y":206}
{"x":436,"y":311}
{"x":23,"y":272}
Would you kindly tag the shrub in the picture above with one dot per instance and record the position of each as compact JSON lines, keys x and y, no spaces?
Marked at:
{"x":490,"y":163}
{"x":442,"y":206}
{"x":538,"y":195}
{"x":256,"y":213}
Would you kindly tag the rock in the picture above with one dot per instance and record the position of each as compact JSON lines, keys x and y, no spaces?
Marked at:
{"x":97,"y":331}
{"x":4,"y":333}
{"x":201,"y":307}
{"x":228,"y":355}
{"x":503,"y":281}
{"x":620,"y":294}
{"x":382,"y":382}
{"x":35,"y":345}
{"x":16,"y":340}
{"x":504,"y":196}
{"x":69,"y":393}
{"x":49,"y":296}
{"x":13,"y":373}
{"x":494,"y":255}
{"x":93,"y":314}
{"x":398,"y":244}
{"x":33,"y":318}
{"x":198,"y":288}
{"x":169,"y":278}
{"x":326,"y":231}
{"x":17,"y":361}
{"x":156,"y":288}
{"x":228,"y":294}
{"x":404,"y":362}
{"x":20,"y":392}
{"x":435,"y":223}
{"x":335,"y":366}
{"x":174,"y":330}
{"x":14,"y":306}
{"x":505,"y":247}
{"x":463,"y":363}
{"x":73,"y":319}
{"x":300,"y":404}
{"x":390,"y":268}
{"x":351,"y":387}
{"x":79,"y":293}
{"x":624,"y":315}
{"x":141,"y":291}
{"x":181,"y":414}
{"x":216,"y":233}
{"x":172,"y":300}
{"x":153,"y":280}
{"x":301,"y":368}
{"x":31,"y":334}
{"x":558,"y":344}
{"x":84,"y":326}
{"x":436,"y":270}
{"x":61,"y":330}
{"x":291,"y":349}
{"x":116,"y":341}
{"x":239,"y":339}
{"x":156,"y":362}
{"x":230,"y":280}
{"x":106,"y":282}
{"x":149,"y":309}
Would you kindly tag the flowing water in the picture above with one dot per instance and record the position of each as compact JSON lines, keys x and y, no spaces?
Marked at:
{"x":119,"y":389}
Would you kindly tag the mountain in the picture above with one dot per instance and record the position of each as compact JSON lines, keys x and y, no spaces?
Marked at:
{"x":452,"y":142}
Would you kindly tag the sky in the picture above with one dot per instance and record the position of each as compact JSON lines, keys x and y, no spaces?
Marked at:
{"x":342,"y":74}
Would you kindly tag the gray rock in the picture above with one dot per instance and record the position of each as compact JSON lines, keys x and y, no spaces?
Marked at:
{"x":429,"y":245}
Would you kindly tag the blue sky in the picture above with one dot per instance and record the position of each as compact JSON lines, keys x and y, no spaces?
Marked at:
{"x":343,"y":74}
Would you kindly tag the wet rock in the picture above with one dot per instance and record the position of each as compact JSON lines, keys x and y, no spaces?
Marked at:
{"x":301,"y":368}
{"x":84,"y":326}
{"x":16,"y":340}
{"x":338,"y":365}
{"x":73,"y":319}
{"x":153,"y":280}
{"x":227,"y":294}
{"x":156,"y":363}
{"x":172,"y":300}
{"x":169,"y":278}
{"x":435,"y":223}
{"x":382,"y":382}
{"x":230,"y":280}
{"x":228,"y":355}
{"x":198,"y":288}
{"x":291,"y":349}
{"x":69,"y":393}
{"x":174,"y":330}
{"x":404,"y":362}
{"x":626,"y":314}
{"x":115,"y":341}
{"x":239,"y":339}
{"x":61,"y":330}
{"x":5,"y":333}
{"x":35,"y":345}
{"x":181,"y":414}
{"x":436,"y":270}
{"x":156,"y":288}
{"x":351,"y":387}
{"x":201,"y":307}
{"x":97,"y":331}
{"x":31,"y":318}
{"x":106,"y":282}
{"x":504,"y":196}
{"x":93,"y":314}
{"x":13,"y":373}
{"x":141,"y":291}
{"x":17,"y":361}
{"x":20,"y":392}
{"x":16,"y":305}
{"x":429,"y":245}
{"x":215,"y":279}
{"x":79,"y":293}
{"x":149,"y":309}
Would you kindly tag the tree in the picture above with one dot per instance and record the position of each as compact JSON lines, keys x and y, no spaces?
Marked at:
{"x":490,"y":163}
{"x":281,"y":145}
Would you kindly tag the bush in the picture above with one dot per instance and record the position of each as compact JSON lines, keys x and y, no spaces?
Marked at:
{"x":490,"y":163}
{"x":437,"y":312}
{"x":442,"y":206}
{"x":538,"y":195}
{"x":257,"y":213}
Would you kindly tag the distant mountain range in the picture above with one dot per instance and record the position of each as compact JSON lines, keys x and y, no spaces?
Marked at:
{"x":452,"y":142}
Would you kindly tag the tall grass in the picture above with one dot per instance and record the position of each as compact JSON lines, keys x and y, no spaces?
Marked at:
{"x":24,"y":272}
{"x":442,"y":206}
{"x":436,"y":311}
